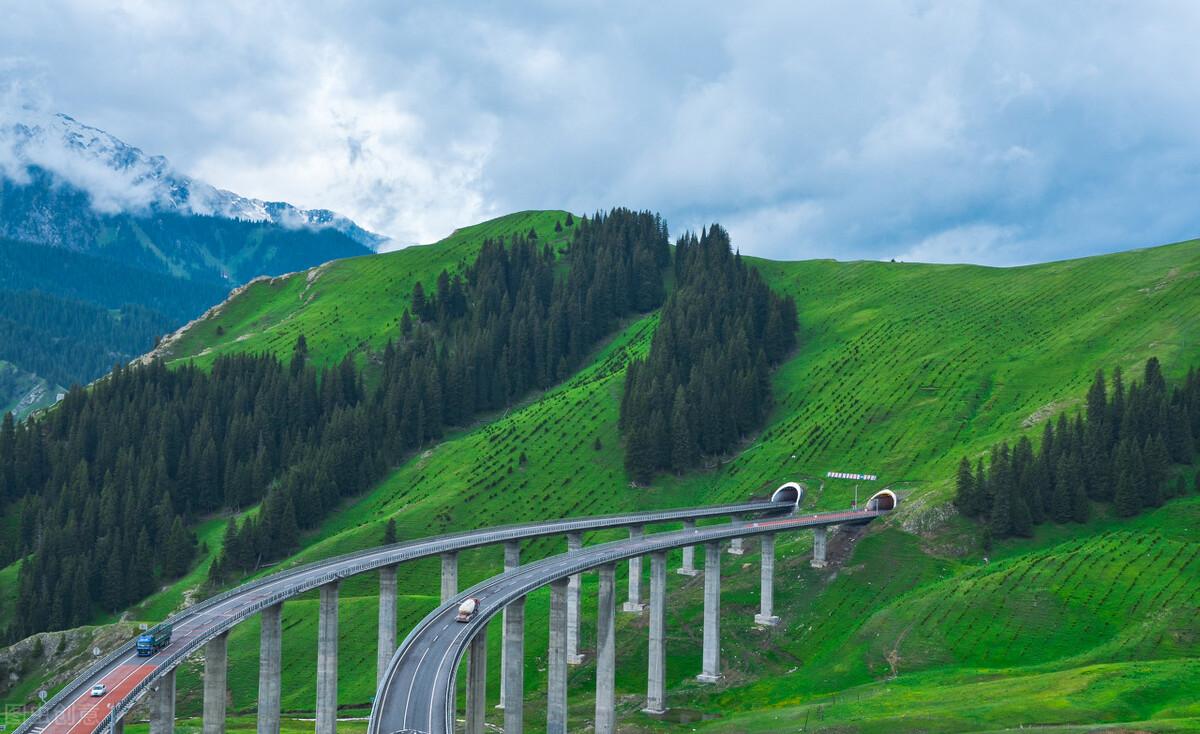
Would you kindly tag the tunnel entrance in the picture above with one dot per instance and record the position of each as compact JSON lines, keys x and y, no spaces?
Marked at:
{"x":882,"y":501}
{"x":790,"y":492}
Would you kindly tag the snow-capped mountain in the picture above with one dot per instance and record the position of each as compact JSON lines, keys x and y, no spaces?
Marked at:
{"x":120,"y":178}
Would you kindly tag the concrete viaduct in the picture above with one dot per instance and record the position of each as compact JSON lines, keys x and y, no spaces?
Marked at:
{"x":427,"y":700}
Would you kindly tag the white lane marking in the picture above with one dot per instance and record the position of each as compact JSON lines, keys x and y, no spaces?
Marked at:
{"x":410,"y":686}
{"x":203,"y":620}
{"x":441,"y":664}
{"x":99,"y":699}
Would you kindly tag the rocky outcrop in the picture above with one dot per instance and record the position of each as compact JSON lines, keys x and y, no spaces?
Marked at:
{"x":49,"y":659}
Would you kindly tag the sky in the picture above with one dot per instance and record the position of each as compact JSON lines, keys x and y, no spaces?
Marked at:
{"x":994,"y":133}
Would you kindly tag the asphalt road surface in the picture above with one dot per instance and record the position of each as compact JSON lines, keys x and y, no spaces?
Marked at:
{"x":418,"y":691}
{"x":75,"y":711}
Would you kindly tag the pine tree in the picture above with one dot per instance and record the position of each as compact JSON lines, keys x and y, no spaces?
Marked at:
{"x":1157,"y":464}
{"x":1126,"y":497}
{"x":178,"y":550}
{"x":639,"y":456}
{"x":683,"y":443}
{"x":965,"y":497}
{"x":1063,"y":485}
{"x":1097,"y":400}
{"x":299,"y":355}
{"x":1002,"y":494}
{"x":1080,"y":508}
{"x":420,"y":307}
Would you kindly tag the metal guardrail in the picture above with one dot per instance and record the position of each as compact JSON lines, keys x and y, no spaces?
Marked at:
{"x":620,"y":550}
{"x":380,"y":557}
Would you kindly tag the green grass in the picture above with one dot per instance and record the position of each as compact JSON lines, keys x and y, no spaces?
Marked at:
{"x":345,"y":306}
{"x":1155,"y":696}
{"x":903,"y":369}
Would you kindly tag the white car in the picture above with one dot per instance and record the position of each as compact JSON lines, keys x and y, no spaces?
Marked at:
{"x":99,"y":690}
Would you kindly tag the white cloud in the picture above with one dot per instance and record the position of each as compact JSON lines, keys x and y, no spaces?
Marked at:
{"x":902,"y":127}
{"x":973,"y":243}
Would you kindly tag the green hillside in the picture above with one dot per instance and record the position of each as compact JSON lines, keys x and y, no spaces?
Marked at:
{"x":902,"y":369}
{"x":344,"y":306}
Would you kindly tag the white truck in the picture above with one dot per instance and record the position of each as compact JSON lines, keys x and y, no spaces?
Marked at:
{"x":466,"y":610}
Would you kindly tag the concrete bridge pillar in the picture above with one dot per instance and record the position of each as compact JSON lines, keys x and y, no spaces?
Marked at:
{"x":556,"y":661}
{"x":270,"y":649}
{"x":634,"y":604}
{"x":162,"y":705}
{"x":766,"y":602}
{"x":689,"y":553}
{"x":514,"y":666}
{"x":477,"y":683}
{"x":736,"y":547}
{"x":512,"y":559}
{"x":386,"y":646}
{"x":574,"y":543}
{"x":819,"y":542}
{"x":216,"y":669}
{"x":327,"y":660}
{"x":449,"y":575}
{"x":712,"y":614}
{"x":656,"y":698}
{"x":606,"y":661}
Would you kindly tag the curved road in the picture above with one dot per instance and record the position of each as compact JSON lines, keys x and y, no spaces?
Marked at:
{"x":417,"y":693}
{"x":74,"y":711}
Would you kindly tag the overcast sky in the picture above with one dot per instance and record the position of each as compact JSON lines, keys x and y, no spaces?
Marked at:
{"x":997,"y":133}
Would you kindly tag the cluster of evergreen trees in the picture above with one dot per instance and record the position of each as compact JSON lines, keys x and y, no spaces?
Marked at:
{"x":106,"y":485}
{"x":705,"y":383}
{"x":67,"y":341}
{"x":1119,"y":449}
{"x":107,"y":482}
{"x":510,"y":322}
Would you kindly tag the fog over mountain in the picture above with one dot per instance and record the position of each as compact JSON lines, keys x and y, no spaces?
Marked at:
{"x":120,"y":178}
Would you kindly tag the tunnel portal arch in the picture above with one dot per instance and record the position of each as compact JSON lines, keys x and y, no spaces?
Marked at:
{"x":790,"y":492}
{"x":884,"y":500}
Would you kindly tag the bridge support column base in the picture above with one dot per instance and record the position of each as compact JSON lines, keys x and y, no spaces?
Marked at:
{"x":162,"y":705}
{"x":327,"y":654}
{"x":216,"y":657}
{"x":820,"y":541}
{"x":687,"y":572}
{"x":765,"y":621}
{"x":556,"y":661}
{"x":512,"y":559}
{"x":269,"y":668}
{"x":514,"y":666}
{"x":633,"y":607}
{"x":654,"y":712}
{"x":575,"y":659}
{"x":449,"y":575}
{"x":707,"y":678}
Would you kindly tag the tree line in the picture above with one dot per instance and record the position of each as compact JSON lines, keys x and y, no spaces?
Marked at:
{"x":1118,"y":450}
{"x":102,"y":492}
{"x":511,"y":321}
{"x":68,"y":341}
{"x":704,"y":385}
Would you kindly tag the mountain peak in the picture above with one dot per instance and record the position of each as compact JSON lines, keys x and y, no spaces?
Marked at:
{"x":121,"y":178}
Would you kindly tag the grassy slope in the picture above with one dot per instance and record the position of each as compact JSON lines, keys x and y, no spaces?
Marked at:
{"x":345,"y":306}
{"x":904,"y":369}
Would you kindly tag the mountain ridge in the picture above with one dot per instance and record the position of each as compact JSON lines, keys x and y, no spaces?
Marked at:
{"x":151,"y":182}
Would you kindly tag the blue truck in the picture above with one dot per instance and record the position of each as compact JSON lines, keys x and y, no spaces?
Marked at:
{"x":154,"y":640}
